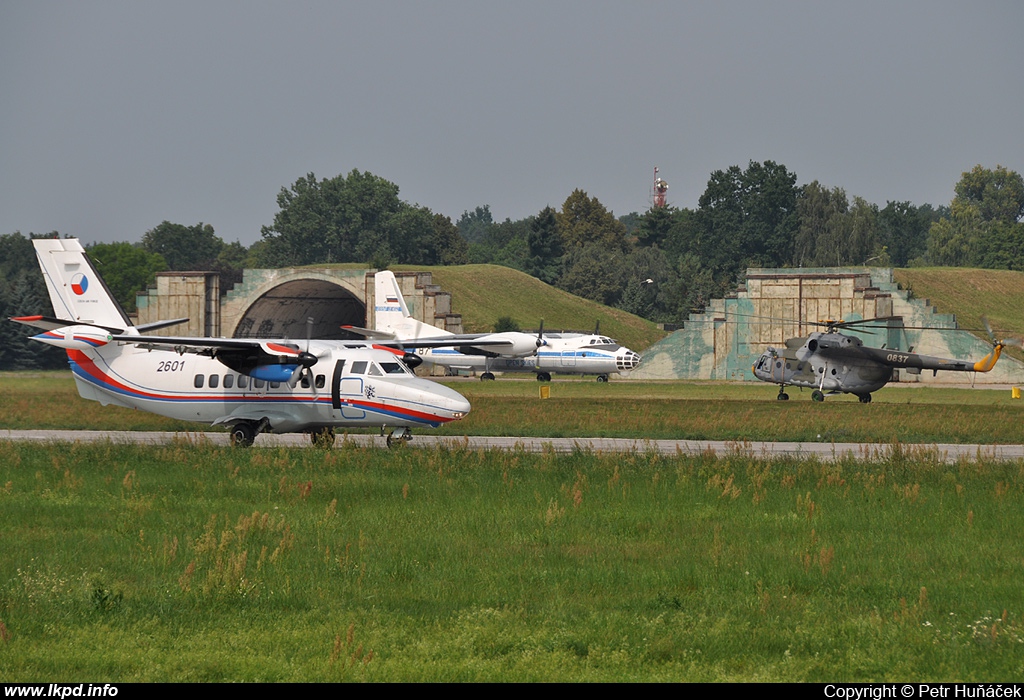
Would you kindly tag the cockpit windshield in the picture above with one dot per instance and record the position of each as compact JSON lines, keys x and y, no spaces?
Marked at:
{"x":378,"y":369}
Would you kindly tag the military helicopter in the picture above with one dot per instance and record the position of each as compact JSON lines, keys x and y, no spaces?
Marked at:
{"x":832,"y":362}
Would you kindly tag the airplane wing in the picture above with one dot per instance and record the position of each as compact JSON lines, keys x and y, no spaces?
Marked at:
{"x":465,"y":340}
{"x":206,"y":346}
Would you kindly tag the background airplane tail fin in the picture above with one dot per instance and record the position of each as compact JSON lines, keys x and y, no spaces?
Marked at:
{"x":76,"y":290}
{"x":392,"y":315}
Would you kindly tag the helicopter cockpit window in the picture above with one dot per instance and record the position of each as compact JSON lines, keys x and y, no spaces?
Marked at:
{"x":359,"y":367}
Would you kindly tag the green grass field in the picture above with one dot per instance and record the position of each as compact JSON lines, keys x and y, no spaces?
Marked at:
{"x":190,"y":562}
{"x":195,"y":563}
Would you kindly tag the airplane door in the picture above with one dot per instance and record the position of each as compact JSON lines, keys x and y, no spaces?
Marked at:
{"x":344,"y":389}
{"x":568,"y":358}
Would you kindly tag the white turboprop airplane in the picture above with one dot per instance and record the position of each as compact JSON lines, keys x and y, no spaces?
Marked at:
{"x":249,"y":385}
{"x":541,"y":354}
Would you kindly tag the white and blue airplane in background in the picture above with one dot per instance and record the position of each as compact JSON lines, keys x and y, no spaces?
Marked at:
{"x":542,"y":354}
{"x":248,"y":385}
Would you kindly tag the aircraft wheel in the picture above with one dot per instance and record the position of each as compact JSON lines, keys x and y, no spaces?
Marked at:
{"x":242,"y":434}
{"x":602,"y":378}
{"x":487,"y":377}
{"x":543,"y":377}
{"x":817,"y":396}
{"x":322,"y":437}
{"x":782,"y":396}
{"x":394,"y":441}
{"x":865,"y":398}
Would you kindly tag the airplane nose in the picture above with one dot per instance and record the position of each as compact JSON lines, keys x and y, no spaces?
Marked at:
{"x":453,"y":402}
{"x":627,"y":359}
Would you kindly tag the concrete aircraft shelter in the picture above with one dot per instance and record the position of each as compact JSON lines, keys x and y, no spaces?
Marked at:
{"x":276,"y":303}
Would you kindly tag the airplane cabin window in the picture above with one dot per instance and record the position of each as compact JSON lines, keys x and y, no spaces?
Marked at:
{"x":214,"y":381}
{"x":199,"y":381}
{"x":358,"y":368}
{"x":275,"y":385}
{"x":320,"y":381}
{"x":258,"y":383}
{"x":229,"y":381}
{"x":243,"y":381}
{"x":305,"y":382}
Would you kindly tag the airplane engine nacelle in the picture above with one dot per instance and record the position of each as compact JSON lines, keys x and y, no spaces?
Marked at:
{"x":522,"y":345}
{"x":75,"y":337}
{"x":272,"y":373}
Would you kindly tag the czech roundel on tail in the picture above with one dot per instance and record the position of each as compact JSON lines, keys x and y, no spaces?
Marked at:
{"x":249,"y":385}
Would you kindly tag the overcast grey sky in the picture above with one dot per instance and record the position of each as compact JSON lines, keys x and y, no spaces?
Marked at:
{"x":115,"y":116}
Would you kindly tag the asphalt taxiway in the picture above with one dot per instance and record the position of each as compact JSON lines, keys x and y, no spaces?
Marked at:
{"x":825,"y":451}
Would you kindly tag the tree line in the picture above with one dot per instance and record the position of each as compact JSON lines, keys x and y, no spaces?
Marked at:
{"x":662,"y":264}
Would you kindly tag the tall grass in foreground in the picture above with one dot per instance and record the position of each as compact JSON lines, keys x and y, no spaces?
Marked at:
{"x":189,"y":562}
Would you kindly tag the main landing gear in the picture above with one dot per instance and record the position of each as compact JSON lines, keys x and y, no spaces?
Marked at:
{"x":817,"y":396}
{"x":783,"y":396}
{"x":602,"y":378}
{"x":543,"y":377}
{"x":487,"y":377}
{"x":244,"y":432}
{"x":864,"y":398}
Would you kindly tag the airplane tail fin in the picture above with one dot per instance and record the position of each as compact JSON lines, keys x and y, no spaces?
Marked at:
{"x":76,"y":290}
{"x":392,"y":315}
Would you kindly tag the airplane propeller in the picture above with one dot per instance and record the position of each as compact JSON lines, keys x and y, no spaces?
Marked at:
{"x":540,"y":335}
{"x":305,"y":360}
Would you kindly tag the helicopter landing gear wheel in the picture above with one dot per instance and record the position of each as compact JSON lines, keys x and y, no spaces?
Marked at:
{"x":487,"y":377}
{"x":543,"y":377}
{"x":322,"y":437}
{"x":817,"y":396}
{"x":783,"y":396}
{"x":865,"y":398}
{"x":242,"y":434}
{"x":602,"y":378}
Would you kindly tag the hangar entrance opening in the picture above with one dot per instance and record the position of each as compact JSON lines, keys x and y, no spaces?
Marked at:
{"x":282,"y":312}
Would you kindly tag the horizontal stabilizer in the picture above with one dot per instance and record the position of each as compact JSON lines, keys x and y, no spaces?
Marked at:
{"x":48,"y":323}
